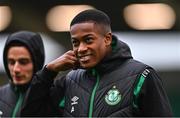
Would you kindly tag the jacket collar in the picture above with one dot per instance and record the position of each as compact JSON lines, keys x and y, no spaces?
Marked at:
{"x":120,"y":53}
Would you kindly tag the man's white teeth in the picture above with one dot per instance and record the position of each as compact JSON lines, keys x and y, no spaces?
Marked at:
{"x":85,"y":58}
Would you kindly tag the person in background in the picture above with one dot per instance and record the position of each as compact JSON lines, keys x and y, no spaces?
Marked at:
{"x":104,"y":81}
{"x":23,"y":56}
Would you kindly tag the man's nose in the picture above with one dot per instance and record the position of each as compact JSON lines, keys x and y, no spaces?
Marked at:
{"x":82,"y":47}
{"x":16,"y":67}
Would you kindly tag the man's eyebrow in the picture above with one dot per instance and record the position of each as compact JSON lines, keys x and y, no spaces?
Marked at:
{"x":87,"y":35}
{"x":24,"y":58}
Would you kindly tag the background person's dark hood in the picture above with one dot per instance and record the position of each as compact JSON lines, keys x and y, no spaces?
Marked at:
{"x":33,"y":42}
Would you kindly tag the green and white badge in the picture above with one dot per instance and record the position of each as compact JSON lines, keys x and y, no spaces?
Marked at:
{"x":113,"y":96}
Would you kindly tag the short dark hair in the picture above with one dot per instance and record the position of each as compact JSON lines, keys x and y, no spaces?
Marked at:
{"x":93,"y":15}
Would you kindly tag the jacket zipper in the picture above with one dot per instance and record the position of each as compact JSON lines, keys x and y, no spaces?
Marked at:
{"x":18,"y":105}
{"x":93,"y":94}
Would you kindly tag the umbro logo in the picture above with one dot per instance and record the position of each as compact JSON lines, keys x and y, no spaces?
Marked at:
{"x":74,"y":101}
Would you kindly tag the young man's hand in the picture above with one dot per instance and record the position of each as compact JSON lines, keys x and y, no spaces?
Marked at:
{"x":67,"y":61}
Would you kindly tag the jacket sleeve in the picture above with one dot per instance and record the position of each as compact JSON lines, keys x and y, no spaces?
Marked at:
{"x":42,"y":96}
{"x":152,"y":99}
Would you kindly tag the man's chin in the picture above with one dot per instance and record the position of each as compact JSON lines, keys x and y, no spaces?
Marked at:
{"x":88,"y":65}
{"x":20,"y":83}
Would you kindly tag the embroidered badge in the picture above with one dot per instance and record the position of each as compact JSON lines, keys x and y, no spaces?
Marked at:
{"x":113,"y":96}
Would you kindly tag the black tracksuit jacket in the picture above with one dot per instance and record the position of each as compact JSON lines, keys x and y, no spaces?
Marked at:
{"x":119,"y":86}
{"x":12,"y":96}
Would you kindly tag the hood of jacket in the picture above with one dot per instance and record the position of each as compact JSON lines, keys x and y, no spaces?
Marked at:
{"x":33,"y":42}
{"x":120,"y":53}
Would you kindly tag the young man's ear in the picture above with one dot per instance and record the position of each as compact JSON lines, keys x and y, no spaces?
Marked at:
{"x":108,"y":39}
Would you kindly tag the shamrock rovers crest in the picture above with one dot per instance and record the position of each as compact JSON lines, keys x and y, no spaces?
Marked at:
{"x":113,"y":96}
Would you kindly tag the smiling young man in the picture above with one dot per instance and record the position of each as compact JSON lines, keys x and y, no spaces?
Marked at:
{"x":105,"y":81}
{"x":23,"y":56}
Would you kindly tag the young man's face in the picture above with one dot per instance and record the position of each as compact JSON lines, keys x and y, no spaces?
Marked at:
{"x":20,"y":64}
{"x":88,"y":43}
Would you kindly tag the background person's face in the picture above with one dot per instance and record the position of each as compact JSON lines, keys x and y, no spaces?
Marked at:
{"x":20,"y":65}
{"x":89,"y":43}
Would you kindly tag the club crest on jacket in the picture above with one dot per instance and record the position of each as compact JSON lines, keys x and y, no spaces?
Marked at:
{"x":113,"y":96}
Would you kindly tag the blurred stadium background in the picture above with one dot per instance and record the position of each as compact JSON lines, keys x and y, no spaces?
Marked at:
{"x":150,"y":27}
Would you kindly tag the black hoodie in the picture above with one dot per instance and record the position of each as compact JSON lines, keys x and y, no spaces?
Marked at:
{"x":118,"y":86}
{"x":11,"y":95}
